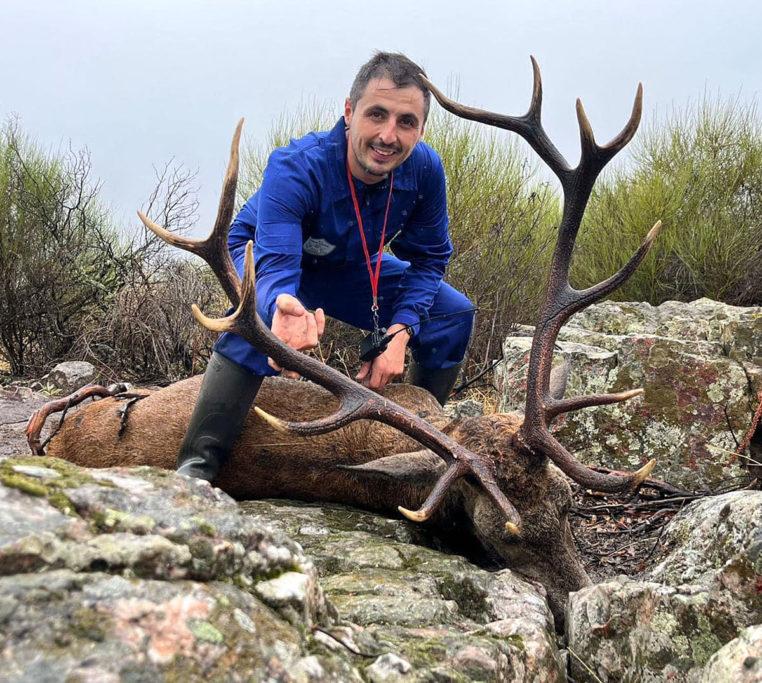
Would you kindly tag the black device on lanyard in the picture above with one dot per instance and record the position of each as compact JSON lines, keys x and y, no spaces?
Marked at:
{"x":375,"y":343}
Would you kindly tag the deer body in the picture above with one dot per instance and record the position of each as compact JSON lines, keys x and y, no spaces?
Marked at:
{"x":264,"y":462}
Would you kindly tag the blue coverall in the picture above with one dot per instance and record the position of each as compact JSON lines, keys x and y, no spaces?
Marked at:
{"x":307,"y":244}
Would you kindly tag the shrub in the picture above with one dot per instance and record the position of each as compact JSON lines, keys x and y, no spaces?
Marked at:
{"x":59,"y":256}
{"x":148,"y":332}
{"x":73,"y":286}
{"x":700,"y":172}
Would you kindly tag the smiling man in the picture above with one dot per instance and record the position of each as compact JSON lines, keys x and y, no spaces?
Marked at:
{"x":328,"y":204}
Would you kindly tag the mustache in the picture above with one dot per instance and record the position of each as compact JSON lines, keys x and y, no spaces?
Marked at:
{"x":381,"y":145}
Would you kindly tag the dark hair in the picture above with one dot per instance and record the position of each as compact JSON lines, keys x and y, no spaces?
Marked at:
{"x":400,"y":70}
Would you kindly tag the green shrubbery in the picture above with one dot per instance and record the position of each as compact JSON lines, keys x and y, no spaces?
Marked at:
{"x":700,"y":173}
{"x":74,"y":285}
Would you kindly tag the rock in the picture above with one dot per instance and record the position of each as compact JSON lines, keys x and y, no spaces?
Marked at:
{"x":388,"y":668}
{"x":716,"y":540}
{"x":699,"y":364}
{"x":632,"y":630}
{"x":117,"y":574}
{"x":460,"y":410}
{"x":64,"y":625}
{"x":439,"y":614}
{"x":740,"y":661}
{"x":142,"y":574}
{"x":709,"y":590}
{"x":70,"y":376}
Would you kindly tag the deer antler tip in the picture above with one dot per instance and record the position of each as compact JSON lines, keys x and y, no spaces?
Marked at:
{"x":213,"y":324}
{"x":512,"y":529}
{"x":643,"y":473}
{"x":274,"y":422}
{"x":413,"y":515}
{"x":653,"y":232}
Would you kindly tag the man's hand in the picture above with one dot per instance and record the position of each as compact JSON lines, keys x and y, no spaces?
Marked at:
{"x":295,"y":326}
{"x":377,"y":373}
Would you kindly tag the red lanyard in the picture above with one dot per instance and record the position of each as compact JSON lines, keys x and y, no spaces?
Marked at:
{"x":373,"y":276}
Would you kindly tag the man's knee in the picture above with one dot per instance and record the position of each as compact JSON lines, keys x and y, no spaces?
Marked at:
{"x":443,"y":340}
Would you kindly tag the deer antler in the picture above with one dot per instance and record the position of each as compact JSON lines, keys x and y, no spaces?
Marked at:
{"x":356,"y":401}
{"x":561,"y":299}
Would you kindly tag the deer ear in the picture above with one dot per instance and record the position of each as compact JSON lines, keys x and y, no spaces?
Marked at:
{"x":419,"y":467}
{"x":559,"y":376}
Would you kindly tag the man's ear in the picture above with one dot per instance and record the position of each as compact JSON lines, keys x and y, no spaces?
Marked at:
{"x":347,"y":112}
{"x":423,"y":130}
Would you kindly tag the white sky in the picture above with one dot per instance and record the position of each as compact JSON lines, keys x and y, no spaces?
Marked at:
{"x":141,"y":81}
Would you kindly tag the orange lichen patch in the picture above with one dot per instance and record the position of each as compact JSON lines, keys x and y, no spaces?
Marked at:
{"x":163,"y":628}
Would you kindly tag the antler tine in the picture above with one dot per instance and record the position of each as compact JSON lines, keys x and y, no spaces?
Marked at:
{"x":545,"y":442}
{"x":561,"y":299}
{"x":213,"y":249}
{"x":356,"y":401}
{"x":594,"y":156}
{"x":529,"y":126}
{"x":37,"y":420}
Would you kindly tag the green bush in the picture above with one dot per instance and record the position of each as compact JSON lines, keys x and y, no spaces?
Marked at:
{"x":59,"y":257}
{"x":73,"y":286}
{"x":700,"y":173}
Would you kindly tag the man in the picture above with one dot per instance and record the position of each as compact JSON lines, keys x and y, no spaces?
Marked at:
{"x":327,"y":205}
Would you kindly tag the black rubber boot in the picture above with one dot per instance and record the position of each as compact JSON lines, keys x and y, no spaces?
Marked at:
{"x":226,"y":395}
{"x":437,"y":382}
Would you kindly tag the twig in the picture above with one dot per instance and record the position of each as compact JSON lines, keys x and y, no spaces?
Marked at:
{"x":750,"y":433}
{"x":354,"y":650}
{"x":656,"y":545}
{"x":469,"y":382}
{"x":587,"y":668}
{"x":645,"y":505}
{"x":728,"y":423}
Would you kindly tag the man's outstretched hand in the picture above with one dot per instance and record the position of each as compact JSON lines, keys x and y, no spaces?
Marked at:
{"x":295,"y":326}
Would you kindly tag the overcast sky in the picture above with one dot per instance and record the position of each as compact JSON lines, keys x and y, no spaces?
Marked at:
{"x":139,"y":82}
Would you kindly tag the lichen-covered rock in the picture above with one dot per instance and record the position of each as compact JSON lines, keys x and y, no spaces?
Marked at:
{"x":141,"y":574}
{"x":62,"y":625}
{"x":142,"y":522}
{"x":700,"y":366}
{"x":643,"y":631}
{"x":436,"y":613}
{"x":70,"y":376}
{"x":101,"y":577}
{"x":709,"y":590}
{"x":740,"y":661}
{"x":717,"y":539}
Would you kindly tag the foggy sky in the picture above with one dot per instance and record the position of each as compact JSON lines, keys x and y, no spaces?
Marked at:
{"x":144,"y":81}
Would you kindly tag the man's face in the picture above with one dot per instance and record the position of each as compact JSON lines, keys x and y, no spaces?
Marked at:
{"x":384,"y":126}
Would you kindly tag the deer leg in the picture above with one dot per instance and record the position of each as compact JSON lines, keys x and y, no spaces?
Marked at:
{"x":226,"y":395}
{"x":37,"y":421}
